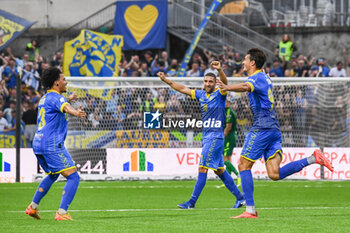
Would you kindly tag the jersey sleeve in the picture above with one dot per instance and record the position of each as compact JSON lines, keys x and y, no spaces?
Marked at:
{"x":257,"y":83}
{"x":59,"y":102}
{"x":196,"y":94}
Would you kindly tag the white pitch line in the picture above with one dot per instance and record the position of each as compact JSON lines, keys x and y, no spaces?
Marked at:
{"x":146,"y":210}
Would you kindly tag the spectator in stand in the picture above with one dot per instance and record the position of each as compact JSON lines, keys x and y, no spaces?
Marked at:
{"x":164,"y":57}
{"x":95,"y":117}
{"x":33,"y":49}
{"x":8,"y":111}
{"x":133,"y":65}
{"x":2,"y":103}
{"x":159,"y":68}
{"x":211,"y":70}
{"x":148,"y":59}
{"x":160,"y":104}
{"x":120,"y":116}
{"x":174,"y":107}
{"x":172,"y":69}
{"x":227,"y":69}
{"x":30,"y":76}
{"x":346,"y":62}
{"x":3,"y":122}
{"x":147,"y":104}
{"x":322,"y":69}
{"x":4,"y":93}
{"x":194,"y":71}
{"x":32,"y":96}
{"x":11,"y":74}
{"x":338,"y":71}
{"x":302,"y":69}
{"x":19,"y":62}
{"x":285,"y":49}
{"x":29,"y":118}
{"x":57,"y":60}
{"x":276,"y":70}
{"x":3,"y":66}
{"x":143,"y":71}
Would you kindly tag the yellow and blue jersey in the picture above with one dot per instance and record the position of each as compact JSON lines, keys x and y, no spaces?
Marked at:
{"x":213,"y":112}
{"x":261,"y":101}
{"x":52,"y":124}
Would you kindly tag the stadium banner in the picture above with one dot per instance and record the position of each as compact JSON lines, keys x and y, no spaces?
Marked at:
{"x":197,"y":36}
{"x":340,"y":157}
{"x":142,"y":23}
{"x":142,"y":139}
{"x":92,"y":54}
{"x":28,"y":165}
{"x":8,"y":140}
{"x":80,"y":139}
{"x":176,"y":163}
{"x":11,"y":27}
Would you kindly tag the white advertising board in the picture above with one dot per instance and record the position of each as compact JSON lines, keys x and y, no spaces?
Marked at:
{"x":183,"y":163}
{"x":8,"y":165}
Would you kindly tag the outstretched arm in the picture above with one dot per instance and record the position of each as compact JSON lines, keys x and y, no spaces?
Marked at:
{"x":176,"y":86}
{"x":75,"y":112}
{"x":216,"y":65}
{"x":240,"y":87}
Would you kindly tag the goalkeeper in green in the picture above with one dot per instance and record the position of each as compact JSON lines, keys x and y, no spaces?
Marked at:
{"x":230,"y":133}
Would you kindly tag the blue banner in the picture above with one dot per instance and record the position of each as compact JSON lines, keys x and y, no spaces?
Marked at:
{"x":8,"y":140}
{"x":197,"y":36}
{"x":11,"y":27}
{"x":142,"y":23}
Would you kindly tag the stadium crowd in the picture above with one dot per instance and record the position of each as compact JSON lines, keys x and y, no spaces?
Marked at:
{"x":296,"y":106}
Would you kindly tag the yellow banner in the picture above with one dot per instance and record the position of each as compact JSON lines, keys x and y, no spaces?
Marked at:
{"x":142,"y":139}
{"x":92,"y":54}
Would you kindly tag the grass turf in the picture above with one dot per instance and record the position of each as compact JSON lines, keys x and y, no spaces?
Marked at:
{"x":150,"y":206}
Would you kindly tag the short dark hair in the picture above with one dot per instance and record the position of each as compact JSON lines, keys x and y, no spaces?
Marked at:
{"x":211,"y":75}
{"x":258,"y":56}
{"x":339,"y":62}
{"x":49,"y":77}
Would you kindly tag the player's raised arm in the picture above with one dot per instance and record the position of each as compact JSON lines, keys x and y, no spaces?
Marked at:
{"x":240,"y":87}
{"x":75,"y":112}
{"x":216,"y":65}
{"x":176,"y":86}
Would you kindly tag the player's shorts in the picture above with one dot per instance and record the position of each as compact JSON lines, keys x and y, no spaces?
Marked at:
{"x":54,"y":163}
{"x":212,"y":154}
{"x":262,"y":142}
{"x":229,"y":144}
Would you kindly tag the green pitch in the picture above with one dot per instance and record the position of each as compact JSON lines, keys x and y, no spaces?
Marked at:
{"x":150,"y":206}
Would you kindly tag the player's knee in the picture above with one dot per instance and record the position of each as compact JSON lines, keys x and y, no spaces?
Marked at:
{"x":202,"y":170}
{"x":219,"y":172}
{"x":74,"y":176}
{"x":274,"y":176}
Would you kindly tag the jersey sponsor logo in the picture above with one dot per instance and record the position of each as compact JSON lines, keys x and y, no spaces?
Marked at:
{"x":62,"y":99}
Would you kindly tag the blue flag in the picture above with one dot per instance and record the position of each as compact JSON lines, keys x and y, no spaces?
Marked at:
{"x":197,"y":36}
{"x":142,"y":24}
{"x":11,"y":27}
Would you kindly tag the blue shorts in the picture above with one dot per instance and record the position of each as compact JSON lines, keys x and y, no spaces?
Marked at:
{"x":212,"y":157}
{"x":262,"y":142}
{"x":54,"y":163}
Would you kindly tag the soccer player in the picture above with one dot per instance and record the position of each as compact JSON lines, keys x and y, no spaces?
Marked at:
{"x":212,"y":102}
{"x":230,"y":140}
{"x":48,"y":143}
{"x":264,"y":137}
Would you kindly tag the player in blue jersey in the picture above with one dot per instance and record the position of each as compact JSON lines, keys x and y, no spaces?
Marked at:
{"x":264,"y":137}
{"x":212,"y":102}
{"x":48,"y":143}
